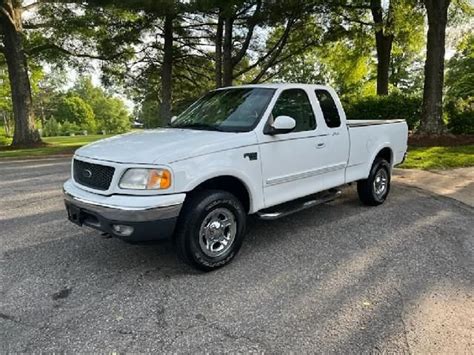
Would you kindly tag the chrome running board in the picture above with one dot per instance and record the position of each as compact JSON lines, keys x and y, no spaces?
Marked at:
{"x":298,"y":205}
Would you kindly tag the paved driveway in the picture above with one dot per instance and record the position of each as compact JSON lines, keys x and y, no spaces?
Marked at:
{"x":337,"y":278}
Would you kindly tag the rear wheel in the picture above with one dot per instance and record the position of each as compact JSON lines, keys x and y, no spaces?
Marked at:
{"x":211,"y":229}
{"x":374,"y":190}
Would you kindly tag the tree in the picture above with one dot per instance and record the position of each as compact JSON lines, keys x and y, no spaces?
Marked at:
{"x":52,"y":34}
{"x":11,"y":26}
{"x":110,"y":113}
{"x":73,"y":109}
{"x":393,"y":23}
{"x":167,"y":11}
{"x":432,"y":110}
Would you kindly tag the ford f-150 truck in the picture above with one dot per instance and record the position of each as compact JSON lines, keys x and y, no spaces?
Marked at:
{"x":268,"y":150}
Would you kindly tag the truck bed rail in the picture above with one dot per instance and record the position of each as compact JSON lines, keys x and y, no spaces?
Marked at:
{"x":364,"y":123}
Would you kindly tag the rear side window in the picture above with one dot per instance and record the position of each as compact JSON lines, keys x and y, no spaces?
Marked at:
{"x":329,"y":108}
{"x":295,"y":103}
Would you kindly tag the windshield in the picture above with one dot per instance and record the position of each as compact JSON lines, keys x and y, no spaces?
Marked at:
{"x":228,"y":110}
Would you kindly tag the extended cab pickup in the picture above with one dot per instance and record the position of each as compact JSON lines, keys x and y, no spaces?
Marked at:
{"x":268,"y":150}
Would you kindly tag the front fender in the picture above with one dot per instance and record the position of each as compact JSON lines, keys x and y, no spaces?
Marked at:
{"x":192,"y":172}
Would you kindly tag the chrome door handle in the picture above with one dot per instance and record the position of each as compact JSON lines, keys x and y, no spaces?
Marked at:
{"x":320,"y":145}
{"x":336,"y":134}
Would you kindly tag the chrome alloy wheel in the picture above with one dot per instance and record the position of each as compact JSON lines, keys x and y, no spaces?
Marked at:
{"x":217,"y":232}
{"x":380,"y":183}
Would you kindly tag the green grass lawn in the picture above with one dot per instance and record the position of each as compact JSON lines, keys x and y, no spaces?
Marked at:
{"x":56,"y":145}
{"x":429,"y":158}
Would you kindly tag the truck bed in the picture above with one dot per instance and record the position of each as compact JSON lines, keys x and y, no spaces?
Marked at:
{"x":363,"y":123}
{"x":367,"y":137}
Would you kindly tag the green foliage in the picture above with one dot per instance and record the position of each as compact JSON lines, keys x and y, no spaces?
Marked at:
{"x":51,"y":128}
{"x":393,"y":106}
{"x":76,"y":114}
{"x":111,"y":115}
{"x":460,"y":87}
{"x":460,"y":70}
{"x":149,"y":114}
{"x":407,"y":61}
{"x":110,"y":112}
{"x":5,"y":93}
{"x":461,"y":116}
{"x":4,"y":140}
{"x":331,"y":43}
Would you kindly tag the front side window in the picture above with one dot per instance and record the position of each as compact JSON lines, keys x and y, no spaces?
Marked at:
{"x":295,"y":104}
{"x":329,"y":108}
{"x":228,"y":110}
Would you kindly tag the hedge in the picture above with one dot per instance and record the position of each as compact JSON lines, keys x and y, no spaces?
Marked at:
{"x":393,"y":106}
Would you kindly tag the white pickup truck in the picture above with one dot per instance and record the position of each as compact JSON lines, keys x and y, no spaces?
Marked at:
{"x":267,"y":150}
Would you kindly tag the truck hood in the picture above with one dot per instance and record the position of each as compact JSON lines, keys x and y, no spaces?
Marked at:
{"x":163,"y":146}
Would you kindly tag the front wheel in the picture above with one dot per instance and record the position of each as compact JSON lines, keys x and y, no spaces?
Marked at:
{"x":211,"y":229}
{"x":374,"y":190}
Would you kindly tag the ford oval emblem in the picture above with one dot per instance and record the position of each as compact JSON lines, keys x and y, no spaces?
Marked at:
{"x":87,"y":173}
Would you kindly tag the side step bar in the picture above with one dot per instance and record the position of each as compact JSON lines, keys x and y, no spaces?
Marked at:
{"x":297,"y":205}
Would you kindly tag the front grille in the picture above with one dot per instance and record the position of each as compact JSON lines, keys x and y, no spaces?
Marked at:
{"x":94,"y":176}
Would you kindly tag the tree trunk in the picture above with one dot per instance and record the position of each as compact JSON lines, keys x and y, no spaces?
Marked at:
{"x":383,"y":43}
{"x":25,"y":133}
{"x":384,"y":50}
{"x":227,"y":62}
{"x":432,"y":110}
{"x":219,"y":34}
{"x":166,"y":71}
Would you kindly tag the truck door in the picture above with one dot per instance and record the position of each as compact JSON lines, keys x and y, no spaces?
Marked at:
{"x":291,"y":162}
{"x":335,"y":160}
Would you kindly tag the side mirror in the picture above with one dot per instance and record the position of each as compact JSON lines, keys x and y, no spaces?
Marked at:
{"x":173,"y":119}
{"x":281,"y":124}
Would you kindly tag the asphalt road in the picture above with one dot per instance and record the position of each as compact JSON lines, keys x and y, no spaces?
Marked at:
{"x":337,"y":278}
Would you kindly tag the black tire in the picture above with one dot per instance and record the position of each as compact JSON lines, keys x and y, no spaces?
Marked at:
{"x":366,"y":188}
{"x":197,"y":208}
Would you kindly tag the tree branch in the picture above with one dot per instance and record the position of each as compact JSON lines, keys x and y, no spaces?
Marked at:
{"x":34,"y":26}
{"x":30,"y":6}
{"x":252,"y":22}
{"x":274,"y":58}
{"x":197,"y":25}
{"x":350,"y":19}
{"x":281,"y":41}
{"x":52,"y":46}
{"x":8,"y":15}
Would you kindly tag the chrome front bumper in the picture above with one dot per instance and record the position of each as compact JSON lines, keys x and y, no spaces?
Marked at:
{"x":152,"y":217}
{"x":129,"y":214}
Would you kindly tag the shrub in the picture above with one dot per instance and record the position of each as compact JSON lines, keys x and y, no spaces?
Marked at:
{"x":393,"y":106}
{"x":461,"y":116}
{"x":76,"y":113}
{"x":69,"y":128}
{"x":51,"y":128}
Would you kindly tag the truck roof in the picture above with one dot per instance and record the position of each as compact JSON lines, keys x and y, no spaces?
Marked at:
{"x":279,"y":86}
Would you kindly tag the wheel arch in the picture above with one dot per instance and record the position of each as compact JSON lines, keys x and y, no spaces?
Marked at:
{"x":229,"y":183}
{"x":385,"y":152}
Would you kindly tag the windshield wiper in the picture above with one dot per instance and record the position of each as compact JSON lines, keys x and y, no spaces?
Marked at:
{"x":201,"y":126}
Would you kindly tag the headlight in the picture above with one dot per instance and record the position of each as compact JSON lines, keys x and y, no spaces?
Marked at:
{"x":146,"y":179}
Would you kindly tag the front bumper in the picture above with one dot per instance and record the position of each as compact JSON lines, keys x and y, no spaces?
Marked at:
{"x":131,"y":218}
